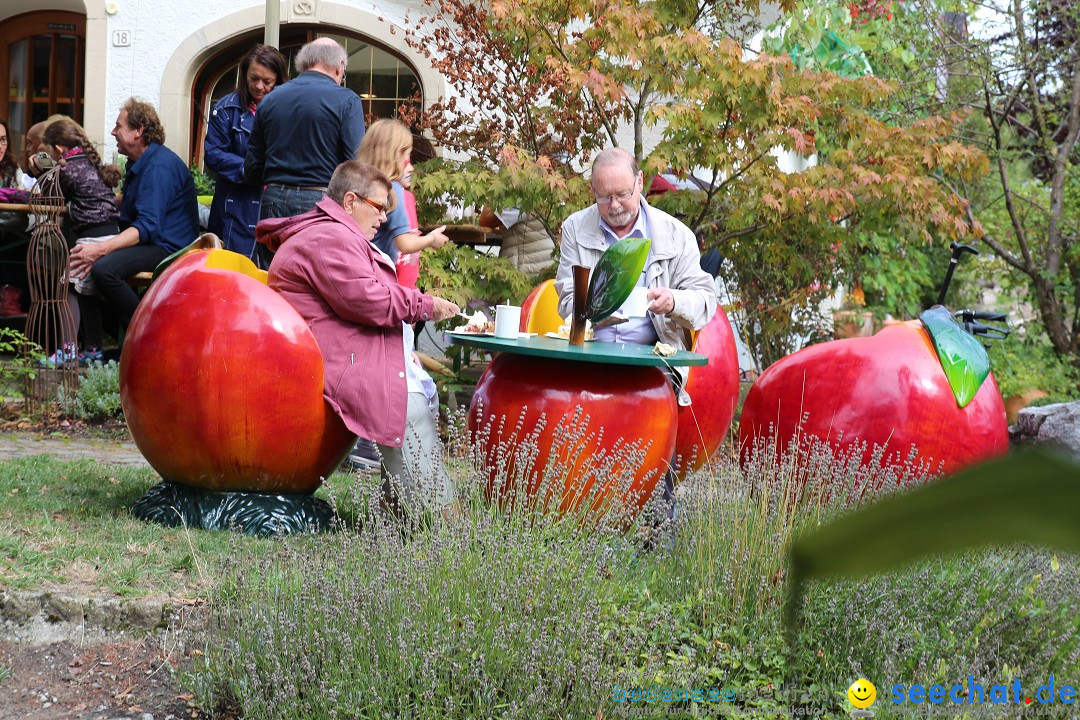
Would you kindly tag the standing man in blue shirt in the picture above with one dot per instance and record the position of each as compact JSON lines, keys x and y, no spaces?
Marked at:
{"x":159,"y":213}
{"x":302,"y":132}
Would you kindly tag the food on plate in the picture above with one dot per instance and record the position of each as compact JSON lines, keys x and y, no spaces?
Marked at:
{"x":477,"y":324}
{"x":564,"y":329}
{"x":663,"y":350}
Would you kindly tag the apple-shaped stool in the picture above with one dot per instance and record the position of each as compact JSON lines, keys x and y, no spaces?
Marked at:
{"x":587,"y":430}
{"x":888,"y":390}
{"x":540,"y":310}
{"x":714,"y":388}
{"x":221,"y":383}
{"x":714,"y":394}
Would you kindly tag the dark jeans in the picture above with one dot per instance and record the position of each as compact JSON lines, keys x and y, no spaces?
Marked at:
{"x":280,"y":202}
{"x":109,"y":272}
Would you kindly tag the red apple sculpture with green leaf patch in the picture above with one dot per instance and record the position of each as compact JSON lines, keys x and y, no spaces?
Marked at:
{"x":221,"y":382}
{"x":923,"y":384}
{"x":714,"y":393}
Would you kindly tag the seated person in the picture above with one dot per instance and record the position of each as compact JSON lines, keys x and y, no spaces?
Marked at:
{"x":38,"y":160}
{"x":12,"y":229}
{"x":159,"y":213}
{"x":326,"y":266}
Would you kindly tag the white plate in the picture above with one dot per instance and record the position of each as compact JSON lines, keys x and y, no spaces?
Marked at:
{"x":462,"y":333}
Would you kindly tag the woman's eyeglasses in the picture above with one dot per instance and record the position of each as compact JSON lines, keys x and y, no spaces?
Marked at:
{"x":378,"y":206}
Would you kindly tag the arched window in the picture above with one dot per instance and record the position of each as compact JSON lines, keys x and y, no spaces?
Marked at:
{"x":382,"y":78}
{"x":41,"y":57}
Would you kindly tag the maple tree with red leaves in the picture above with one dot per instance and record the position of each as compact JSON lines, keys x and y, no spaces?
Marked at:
{"x":538,"y":87}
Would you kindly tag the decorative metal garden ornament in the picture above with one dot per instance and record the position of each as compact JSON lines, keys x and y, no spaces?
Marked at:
{"x":50,"y":323}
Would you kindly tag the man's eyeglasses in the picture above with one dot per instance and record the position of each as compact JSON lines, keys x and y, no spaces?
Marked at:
{"x":619,"y":198}
{"x":378,"y":206}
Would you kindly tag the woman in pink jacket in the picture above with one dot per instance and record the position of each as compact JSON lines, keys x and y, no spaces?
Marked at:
{"x":348,"y":293}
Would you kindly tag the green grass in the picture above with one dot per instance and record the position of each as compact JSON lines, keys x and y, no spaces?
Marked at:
{"x":501,"y":615}
{"x":68,"y":524}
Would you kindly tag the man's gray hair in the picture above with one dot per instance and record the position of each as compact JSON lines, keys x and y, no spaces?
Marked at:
{"x":323,"y":51}
{"x":615,"y":156}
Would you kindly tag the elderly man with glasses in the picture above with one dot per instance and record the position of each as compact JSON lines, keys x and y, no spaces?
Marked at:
{"x":681,"y":295}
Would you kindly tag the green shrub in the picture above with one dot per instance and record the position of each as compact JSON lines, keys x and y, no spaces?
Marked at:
{"x":1023,"y":362}
{"x":204,"y":184}
{"x":15,"y":343}
{"x":98,"y":396}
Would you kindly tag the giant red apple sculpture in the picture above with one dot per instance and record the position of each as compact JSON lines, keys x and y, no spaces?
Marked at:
{"x":563,"y":433}
{"x":714,"y":392}
{"x":221,"y":382}
{"x":889,"y":390}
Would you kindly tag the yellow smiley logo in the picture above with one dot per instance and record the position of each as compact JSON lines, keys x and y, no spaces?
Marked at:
{"x":862,"y":693}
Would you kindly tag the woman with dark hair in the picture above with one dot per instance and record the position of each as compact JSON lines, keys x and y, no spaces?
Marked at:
{"x":10,"y":174}
{"x":235,"y":209}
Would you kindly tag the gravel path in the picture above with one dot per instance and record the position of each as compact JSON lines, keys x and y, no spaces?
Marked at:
{"x":15,"y":445}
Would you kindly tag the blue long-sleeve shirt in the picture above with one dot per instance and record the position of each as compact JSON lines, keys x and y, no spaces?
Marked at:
{"x":235,"y":209}
{"x":159,"y":200}
{"x":303,"y":130}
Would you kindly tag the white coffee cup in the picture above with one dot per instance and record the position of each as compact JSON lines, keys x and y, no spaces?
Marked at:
{"x":637,"y":304}
{"x":507,"y":319}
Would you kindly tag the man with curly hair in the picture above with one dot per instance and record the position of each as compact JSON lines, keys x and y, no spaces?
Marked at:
{"x":159,"y":213}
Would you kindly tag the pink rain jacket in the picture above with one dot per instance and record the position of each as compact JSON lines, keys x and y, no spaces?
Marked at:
{"x":349,"y":295}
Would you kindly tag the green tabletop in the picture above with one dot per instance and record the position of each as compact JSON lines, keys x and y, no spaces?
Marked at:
{"x":593,"y":351}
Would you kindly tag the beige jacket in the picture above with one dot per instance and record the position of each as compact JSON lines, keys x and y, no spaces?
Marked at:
{"x":674,"y":263}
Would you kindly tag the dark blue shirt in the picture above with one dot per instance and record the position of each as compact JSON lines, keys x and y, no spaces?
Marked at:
{"x":159,"y":200}
{"x":303,"y":130}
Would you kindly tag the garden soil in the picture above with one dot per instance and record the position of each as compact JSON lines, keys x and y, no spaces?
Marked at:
{"x":68,"y":671}
{"x":103,"y":678}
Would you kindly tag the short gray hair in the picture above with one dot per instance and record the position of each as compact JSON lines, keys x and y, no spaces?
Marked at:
{"x":615,"y":156}
{"x":358,"y":177}
{"x":323,"y":51}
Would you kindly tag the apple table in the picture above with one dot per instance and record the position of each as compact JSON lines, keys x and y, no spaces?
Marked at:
{"x":571,"y":425}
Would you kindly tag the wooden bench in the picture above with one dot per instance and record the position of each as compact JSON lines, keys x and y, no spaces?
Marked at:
{"x":140,"y":281}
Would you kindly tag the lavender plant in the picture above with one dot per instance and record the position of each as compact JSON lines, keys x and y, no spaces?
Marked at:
{"x":505,"y":609}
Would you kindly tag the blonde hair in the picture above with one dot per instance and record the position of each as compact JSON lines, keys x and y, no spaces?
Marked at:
{"x":383,"y":144}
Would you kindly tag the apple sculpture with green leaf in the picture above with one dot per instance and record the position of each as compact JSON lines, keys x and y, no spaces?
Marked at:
{"x":571,"y":435}
{"x":923,"y":384}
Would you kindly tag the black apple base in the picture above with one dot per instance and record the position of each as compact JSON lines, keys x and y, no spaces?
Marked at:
{"x":251,"y":513}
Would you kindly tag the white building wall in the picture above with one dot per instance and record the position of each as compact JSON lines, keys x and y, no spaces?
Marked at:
{"x":171,"y":39}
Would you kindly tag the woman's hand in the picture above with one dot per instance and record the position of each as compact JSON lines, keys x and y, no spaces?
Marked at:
{"x":444,"y":309}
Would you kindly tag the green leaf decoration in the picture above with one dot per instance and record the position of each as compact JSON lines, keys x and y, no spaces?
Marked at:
{"x":615,"y":276}
{"x":1028,"y":497}
{"x":206,"y":241}
{"x":963,"y":358}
